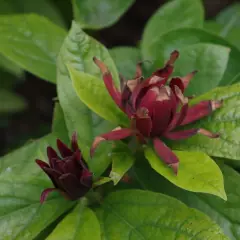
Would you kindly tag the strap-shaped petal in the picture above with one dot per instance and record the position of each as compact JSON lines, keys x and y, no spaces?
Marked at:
{"x":166,"y":154}
{"x":108,"y":81}
{"x":45,"y":194}
{"x":184,"y":134}
{"x":64,"y":150}
{"x":200,"y":110}
{"x":116,"y":134}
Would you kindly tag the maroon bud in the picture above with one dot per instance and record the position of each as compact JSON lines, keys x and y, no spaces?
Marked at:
{"x":68,"y":173}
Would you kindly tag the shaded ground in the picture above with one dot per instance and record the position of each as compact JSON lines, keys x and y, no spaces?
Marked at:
{"x":36,"y":120}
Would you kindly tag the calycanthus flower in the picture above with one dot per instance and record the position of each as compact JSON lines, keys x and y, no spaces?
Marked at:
{"x":68,"y":173}
{"x":156,"y":108}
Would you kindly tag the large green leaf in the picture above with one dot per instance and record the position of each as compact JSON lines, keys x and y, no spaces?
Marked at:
{"x":230,"y":34}
{"x":211,"y":61}
{"x":163,"y":45}
{"x":224,"y":213}
{"x":81,"y":223}
{"x":10,"y":66}
{"x":96,"y":14}
{"x":31,"y":41}
{"x":126,"y":59}
{"x":137,"y":214}
{"x":94,"y":94}
{"x":43,"y":7}
{"x":58,"y":125}
{"x":230,"y":17}
{"x":122,"y":161}
{"x":21,"y":183}
{"x":78,"y":50}
{"x":173,"y":15}
{"x":197,"y":172}
{"x":225,"y":121}
{"x":11,"y":102}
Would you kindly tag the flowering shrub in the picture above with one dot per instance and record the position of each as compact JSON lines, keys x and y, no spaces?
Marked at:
{"x":153,"y":151}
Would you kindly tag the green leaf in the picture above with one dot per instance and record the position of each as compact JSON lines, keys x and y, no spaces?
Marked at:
{"x":96,"y":14}
{"x":43,"y":7}
{"x":78,"y":50}
{"x":10,"y":66}
{"x":162,"y":46}
{"x":173,"y":15}
{"x":197,"y":172}
{"x":33,"y":47}
{"x":230,"y":34}
{"x":21,"y":183}
{"x":236,"y":79}
{"x":59,"y":126}
{"x":94,"y":94}
{"x":81,"y":223}
{"x":137,"y":214}
{"x":122,"y":161}
{"x":11,"y":102}
{"x":126,"y":59}
{"x":211,"y":61}
{"x":225,"y":121}
{"x":230,"y":16}
{"x":224,"y":213}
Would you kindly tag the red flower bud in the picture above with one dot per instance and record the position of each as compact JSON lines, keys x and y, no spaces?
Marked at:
{"x":68,"y":173}
{"x":156,"y":108}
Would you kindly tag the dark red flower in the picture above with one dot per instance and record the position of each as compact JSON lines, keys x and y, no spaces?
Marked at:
{"x":156,"y":108}
{"x":68,"y":173}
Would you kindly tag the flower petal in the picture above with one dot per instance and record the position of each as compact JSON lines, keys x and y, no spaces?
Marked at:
{"x":116,"y":134}
{"x":108,"y":81}
{"x":86,"y":178}
{"x":143,"y":122}
{"x":178,"y":117}
{"x":74,"y":142}
{"x":63,"y":149}
{"x":201,"y":110}
{"x":179,"y":135}
{"x":183,"y":134}
{"x":45,"y":194}
{"x":51,"y":155}
{"x":42,"y":164}
{"x":72,"y":186}
{"x":161,"y":117}
{"x":182,"y":82}
{"x":53,"y":175}
{"x":166,"y":154}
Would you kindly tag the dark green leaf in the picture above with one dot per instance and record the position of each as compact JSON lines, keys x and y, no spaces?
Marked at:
{"x":81,"y":223}
{"x":126,"y":59}
{"x":230,"y":34}
{"x":11,"y":102}
{"x":224,"y":213}
{"x":211,"y":61}
{"x":225,"y":121}
{"x":32,"y":42}
{"x":162,"y":46}
{"x":43,"y":7}
{"x":78,"y":50}
{"x":137,"y":214}
{"x":94,"y":94}
{"x":236,"y":79}
{"x":10,"y":66}
{"x":173,"y":15}
{"x":99,"y":14}
{"x":59,"y":126}
{"x":21,"y":183}
{"x":230,"y":16}
{"x":197,"y":172}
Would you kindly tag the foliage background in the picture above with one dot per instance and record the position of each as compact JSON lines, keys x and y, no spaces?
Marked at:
{"x":35,"y":120}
